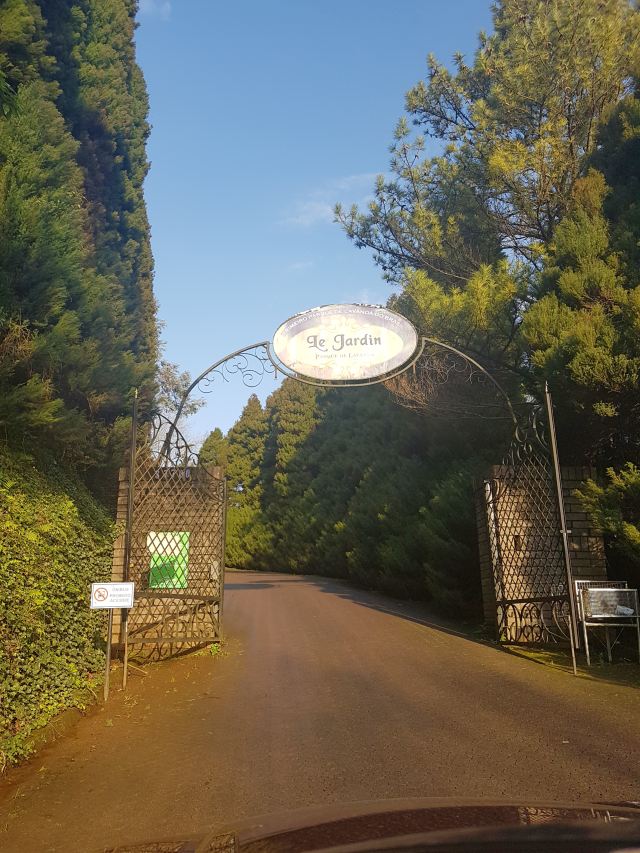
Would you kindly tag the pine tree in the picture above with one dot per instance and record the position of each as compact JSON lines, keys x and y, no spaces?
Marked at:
{"x":212,"y":448}
{"x":519,"y":244}
{"x":105,"y":105}
{"x":348,"y":486}
{"x":516,"y":123}
{"x":293,"y":415}
{"x":242,"y":453}
{"x":582,"y":333}
{"x":478,"y":237}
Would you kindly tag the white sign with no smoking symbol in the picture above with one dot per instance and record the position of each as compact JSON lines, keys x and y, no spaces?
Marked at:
{"x":107,"y":596}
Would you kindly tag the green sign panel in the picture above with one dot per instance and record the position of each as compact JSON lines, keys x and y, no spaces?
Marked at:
{"x":169,"y":560}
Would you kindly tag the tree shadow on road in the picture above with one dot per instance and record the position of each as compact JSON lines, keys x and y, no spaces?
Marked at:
{"x":413,"y":611}
{"x":623,"y":672}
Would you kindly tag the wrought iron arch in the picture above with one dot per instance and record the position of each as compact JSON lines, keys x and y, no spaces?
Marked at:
{"x":257,"y":360}
{"x":531,"y":455}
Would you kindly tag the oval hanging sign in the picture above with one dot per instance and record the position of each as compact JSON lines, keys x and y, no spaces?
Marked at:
{"x":345,"y":342}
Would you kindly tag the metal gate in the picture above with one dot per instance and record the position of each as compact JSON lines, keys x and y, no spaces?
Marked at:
{"x":178,"y":516}
{"x":526,"y":543}
{"x":177,"y":523}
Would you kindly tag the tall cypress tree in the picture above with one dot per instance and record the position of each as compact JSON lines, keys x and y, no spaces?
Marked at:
{"x":212,"y":449}
{"x":77,"y":324}
{"x":105,"y":105}
{"x":242,"y":452}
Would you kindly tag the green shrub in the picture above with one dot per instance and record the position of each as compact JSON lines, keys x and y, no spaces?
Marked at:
{"x":615,"y":507}
{"x":55,"y":540}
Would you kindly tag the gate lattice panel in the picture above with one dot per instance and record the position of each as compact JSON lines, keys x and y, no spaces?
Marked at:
{"x":177,"y":547}
{"x":525,"y":540}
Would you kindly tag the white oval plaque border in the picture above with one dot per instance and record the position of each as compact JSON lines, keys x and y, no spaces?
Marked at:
{"x":345,"y":342}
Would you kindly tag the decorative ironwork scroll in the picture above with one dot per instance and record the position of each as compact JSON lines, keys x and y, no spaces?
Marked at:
{"x":251,"y":365}
{"x":177,"y":544}
{"x":255,"y":362}
{"x":525,"y":539}
{"x":447,"y":383}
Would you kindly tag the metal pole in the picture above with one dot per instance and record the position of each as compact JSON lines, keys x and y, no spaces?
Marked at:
{"x":495,"y":551}
{"x":224,"y":558}
{"x":127,"y":533}
{"x":108,"y":664}
{"x":573,"y":627}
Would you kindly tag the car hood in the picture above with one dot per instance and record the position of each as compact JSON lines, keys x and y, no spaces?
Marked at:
{"x":415,"y":824}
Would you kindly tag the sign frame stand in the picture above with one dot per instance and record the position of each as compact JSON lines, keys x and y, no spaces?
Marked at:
{"x":102,"y":594}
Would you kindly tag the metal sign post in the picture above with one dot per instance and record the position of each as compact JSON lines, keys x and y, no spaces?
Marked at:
{"x":108,"y":661}
{"x":109,"y":596}
{"x":573,"y":627}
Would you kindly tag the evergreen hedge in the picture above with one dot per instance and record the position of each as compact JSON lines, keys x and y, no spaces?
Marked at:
{"x":55,"y":540}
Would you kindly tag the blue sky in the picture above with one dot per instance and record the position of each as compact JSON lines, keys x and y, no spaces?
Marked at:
{"x":264,"y":115}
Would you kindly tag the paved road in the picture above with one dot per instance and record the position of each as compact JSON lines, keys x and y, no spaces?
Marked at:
{"x":327,"y":695}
